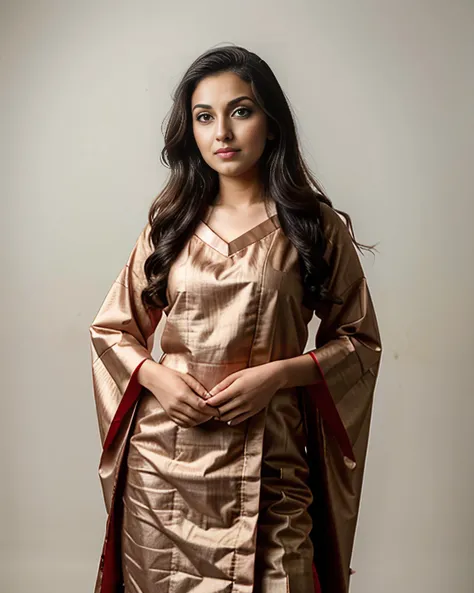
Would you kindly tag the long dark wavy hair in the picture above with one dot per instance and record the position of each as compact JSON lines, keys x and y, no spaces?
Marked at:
{"x":192,"y":185}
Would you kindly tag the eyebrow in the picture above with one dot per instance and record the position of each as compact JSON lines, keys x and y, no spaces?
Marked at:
{"x":229,"y":104}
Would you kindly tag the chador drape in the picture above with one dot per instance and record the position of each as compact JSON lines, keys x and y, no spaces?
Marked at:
{"x":262,"y":506}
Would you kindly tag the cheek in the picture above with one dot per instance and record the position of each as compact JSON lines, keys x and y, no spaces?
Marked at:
{"x":200,"y":137}
{"x":256,"y":134}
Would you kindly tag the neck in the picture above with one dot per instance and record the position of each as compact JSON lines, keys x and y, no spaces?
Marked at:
{"x":237,"y":193}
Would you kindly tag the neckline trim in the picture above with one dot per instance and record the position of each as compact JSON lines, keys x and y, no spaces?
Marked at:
{"x":227,"y":248}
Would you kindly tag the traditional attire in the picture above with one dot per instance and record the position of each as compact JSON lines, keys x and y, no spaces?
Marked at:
{"x":268,"y":505}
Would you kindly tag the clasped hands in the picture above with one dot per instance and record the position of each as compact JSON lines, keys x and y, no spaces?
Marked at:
{"x":242,"y":394}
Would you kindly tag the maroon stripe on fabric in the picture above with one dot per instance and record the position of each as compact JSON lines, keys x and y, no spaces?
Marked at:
{"x":127,"y":401}
{"x":329,"y":413}
{"x":317,"y":586}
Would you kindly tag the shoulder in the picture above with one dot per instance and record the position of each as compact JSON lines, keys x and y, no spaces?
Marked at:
{"x":142,"y":249}
{"x":340,"y":253}
{"x":144,"y":242}
{"x":334,"y":226}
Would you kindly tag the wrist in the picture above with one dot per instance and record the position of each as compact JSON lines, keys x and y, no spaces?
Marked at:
{"x":297,"y":371}
{"x":280,"y":372}
{"x":147,"y":373}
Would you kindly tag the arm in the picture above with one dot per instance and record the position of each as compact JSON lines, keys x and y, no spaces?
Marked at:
{"x":297,"y":371}
{"x":122,"y":336}
{"x":339,"y":374}
{"x":337,"y":409}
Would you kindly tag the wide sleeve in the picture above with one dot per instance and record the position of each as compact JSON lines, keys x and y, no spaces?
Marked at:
{"x":348,"y":346}
{"x":122,"y":336}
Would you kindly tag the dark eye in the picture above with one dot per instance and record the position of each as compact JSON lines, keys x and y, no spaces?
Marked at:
{"x":246,"y":109}
{"x":198,"y":118}
{"x":246,"y":113}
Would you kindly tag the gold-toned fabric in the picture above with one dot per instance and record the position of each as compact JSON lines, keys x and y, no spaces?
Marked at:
{"x":218,"y":508}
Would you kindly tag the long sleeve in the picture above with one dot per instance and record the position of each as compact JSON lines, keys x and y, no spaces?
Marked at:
{"x":348,"y":347}
{"x":338,"y":407}
{"x":122,"y":336}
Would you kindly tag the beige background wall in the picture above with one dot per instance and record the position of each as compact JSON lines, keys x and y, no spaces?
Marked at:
{"x":384,"y":95}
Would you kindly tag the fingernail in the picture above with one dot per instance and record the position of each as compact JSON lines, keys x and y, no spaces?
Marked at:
{"x":349,"y":463}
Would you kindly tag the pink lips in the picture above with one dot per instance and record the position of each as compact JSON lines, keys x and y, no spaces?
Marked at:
{"x":226,"y":154}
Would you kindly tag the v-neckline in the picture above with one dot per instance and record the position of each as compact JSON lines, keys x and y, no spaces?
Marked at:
{"x":227,"y":248}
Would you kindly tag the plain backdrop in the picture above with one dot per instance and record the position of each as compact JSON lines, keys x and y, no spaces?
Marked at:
{"x":383,"y":95}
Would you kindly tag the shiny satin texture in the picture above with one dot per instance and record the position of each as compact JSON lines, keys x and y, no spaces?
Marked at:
{"x":235,"y":509}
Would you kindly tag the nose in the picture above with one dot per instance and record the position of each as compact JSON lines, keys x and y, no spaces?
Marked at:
{"x":223,"y":131}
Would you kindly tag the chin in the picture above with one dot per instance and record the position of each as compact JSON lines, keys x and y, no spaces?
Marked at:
{"x":238,"y":172}
{"x":230,"y":168}
{"x":234,"y":169}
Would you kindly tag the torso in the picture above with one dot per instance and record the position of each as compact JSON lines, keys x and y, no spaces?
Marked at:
{"x":216,"y":504}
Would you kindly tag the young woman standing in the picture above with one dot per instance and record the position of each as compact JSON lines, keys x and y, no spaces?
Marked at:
{"x":234,"y":464}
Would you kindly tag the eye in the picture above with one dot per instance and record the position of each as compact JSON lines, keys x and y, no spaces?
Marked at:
{"x":198,"y":118}
{"x":246,"y":113}
{"x":249,"y":111}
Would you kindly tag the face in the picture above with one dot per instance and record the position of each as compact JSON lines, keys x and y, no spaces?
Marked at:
{"x":226,"y":115}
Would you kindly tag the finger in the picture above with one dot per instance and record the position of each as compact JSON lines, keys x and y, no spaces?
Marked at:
{"x":197,"y":415}
{"x":191,"y":399}
{"x":224,"y":396}
{"x":223,"y":384}
{"x":188,"y":418}
{"x":241,"y":418}
{"x":209,"y":412}
{"x":180,"y":419}
{"x":197,"y":403}
{"x":195,"y":385}
{"x":212,"y":412}
{"x":233,"y":408}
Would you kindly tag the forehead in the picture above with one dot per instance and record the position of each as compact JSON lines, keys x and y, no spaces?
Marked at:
{"x":218,"y":89}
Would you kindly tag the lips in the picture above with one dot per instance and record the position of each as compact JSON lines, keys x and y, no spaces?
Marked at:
{"x":226,"y":150}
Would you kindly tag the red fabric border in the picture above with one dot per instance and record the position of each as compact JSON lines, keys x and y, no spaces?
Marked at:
{"x":325,"y":403}
{"x":317,"y":586}
{"x":328,"y":412}
{"x":127,"y":401}
{"x":109,"y":560}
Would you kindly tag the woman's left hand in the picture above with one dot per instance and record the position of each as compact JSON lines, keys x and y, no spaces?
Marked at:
{"x":244,"y":393}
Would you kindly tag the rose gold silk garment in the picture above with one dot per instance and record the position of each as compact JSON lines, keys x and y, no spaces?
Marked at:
{"x":192,"y":496}
{"x":230,"y":508}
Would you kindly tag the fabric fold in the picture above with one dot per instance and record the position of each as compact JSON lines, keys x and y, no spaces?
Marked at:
{"x":338,"y":407}
{"x":122,"y":336}
{"x":228,"y":312}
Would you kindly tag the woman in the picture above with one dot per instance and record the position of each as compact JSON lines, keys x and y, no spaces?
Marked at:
{"x":234,"y":464}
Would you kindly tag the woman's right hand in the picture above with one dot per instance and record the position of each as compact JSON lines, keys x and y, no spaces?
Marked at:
{"x":180,"y":394}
